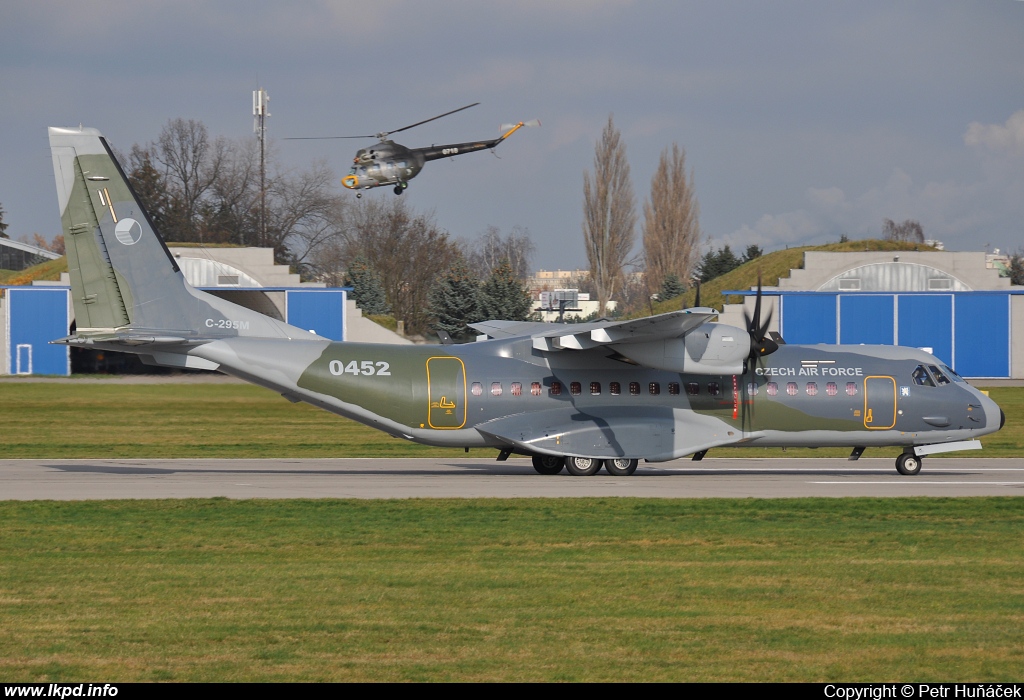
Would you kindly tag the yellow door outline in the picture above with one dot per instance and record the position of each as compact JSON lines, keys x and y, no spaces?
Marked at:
{"x":869,"y":414}
{"x":443,"y":410}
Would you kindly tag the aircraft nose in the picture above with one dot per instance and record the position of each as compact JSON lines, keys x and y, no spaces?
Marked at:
{"x":991,"y":411}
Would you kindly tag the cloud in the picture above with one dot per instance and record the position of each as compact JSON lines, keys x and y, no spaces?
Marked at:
{"x":1006,"y":139}
{"x":964,"y":214}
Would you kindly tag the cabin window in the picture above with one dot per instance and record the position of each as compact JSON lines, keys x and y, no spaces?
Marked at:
{"x":673,"y":388}
{"x":517,"y":388}
{"x":851,"y":388}
{"x":692,"y":388}
{"x":495,"y":388}
{"x":714,"y":389}
{"x":939,"y":376}
{"x":575,"y":388}
{"x":477,"y":389}
{"x":556,"y":389}
{"x":535,"y":388}
{"x":614,"y":388}
{"x":811,"y":388}
{"x":752,"y":389}
{"x":952,"y":375}
{"x":791,"y":388}
{"x":772,"y":388}
{"x":595,"y":388}
{"x":831,"y":389}
{"x":654,"y":388}
{"x":921,"y":377}
{"x":634,"y":388}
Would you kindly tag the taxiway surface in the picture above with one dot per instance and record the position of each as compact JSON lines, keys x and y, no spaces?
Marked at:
{"x":79,"y":479}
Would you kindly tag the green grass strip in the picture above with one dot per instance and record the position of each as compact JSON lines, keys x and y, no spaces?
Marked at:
{"x":909,"y":589}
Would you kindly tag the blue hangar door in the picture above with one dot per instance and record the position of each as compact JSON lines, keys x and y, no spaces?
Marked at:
{"x":322,"y":312}
{"x":981,"y":329}
{"x":35,"y":316}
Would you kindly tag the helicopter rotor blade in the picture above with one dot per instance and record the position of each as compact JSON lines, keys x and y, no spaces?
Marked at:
{"x":384,"y":134}
{"x":321,"y":138}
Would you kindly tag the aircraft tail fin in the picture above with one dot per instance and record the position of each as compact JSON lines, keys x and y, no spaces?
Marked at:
{"x":124,"y":281}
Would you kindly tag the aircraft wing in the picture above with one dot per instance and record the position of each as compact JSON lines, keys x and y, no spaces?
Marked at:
{"x":580,"y":336}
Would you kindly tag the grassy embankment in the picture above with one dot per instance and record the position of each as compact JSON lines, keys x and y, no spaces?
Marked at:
{"x":70,"y":420}
{"x":512,"y":590}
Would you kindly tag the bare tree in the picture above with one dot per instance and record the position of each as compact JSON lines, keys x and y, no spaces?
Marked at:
{"x":191,"y":165}
{"x":609,"y":214}
{"x":487,"y":253}
{"x":671,"y":222}
{"x":908,"y":231}
{"x":406,"y":249}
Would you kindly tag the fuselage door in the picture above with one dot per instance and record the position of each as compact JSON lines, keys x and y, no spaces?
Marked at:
{"x":879,"y":403}
{"x":446,"y":388}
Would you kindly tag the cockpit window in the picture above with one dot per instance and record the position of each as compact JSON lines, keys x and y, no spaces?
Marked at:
{"x":921,"y":377}
{"x":953,"y":375}
{"x":939,"y":376}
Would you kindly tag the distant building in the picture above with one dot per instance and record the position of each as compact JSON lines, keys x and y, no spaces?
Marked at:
{"x":15,"y":255}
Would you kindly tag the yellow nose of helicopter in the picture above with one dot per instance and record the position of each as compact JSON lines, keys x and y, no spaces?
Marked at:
{"x":350,"y":181}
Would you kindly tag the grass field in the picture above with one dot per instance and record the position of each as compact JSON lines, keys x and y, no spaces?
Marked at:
{"x":69,"y":420}
{"x":513,"y":590}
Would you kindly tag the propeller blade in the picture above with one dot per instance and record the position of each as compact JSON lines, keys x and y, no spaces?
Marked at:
{"x":320,"y":138}
{"x":395,"y":131}
{"x":760,"y":343}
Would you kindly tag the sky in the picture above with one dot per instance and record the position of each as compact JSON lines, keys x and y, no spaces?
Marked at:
{"x":801,"y":121}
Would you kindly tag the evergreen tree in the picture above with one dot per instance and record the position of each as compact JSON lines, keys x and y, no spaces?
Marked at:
{"x":367,"y":289}
{"x":1017,"y":268}
{"x":671,"y":287}
{"x":716,"y":263}
{"x":753,"y":251}
{"x":455,"y":301}
{"x":503,"y":297}
{"x":3,"y":226}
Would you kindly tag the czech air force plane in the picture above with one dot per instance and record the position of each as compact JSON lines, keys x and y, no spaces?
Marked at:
{"x":575,"y":397}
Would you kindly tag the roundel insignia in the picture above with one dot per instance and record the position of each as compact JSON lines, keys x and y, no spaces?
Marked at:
{"x":128,"y":231}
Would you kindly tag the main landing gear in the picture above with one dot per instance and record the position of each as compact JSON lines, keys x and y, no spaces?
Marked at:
{"x":908,"y":464}
{"x":583,"y":466}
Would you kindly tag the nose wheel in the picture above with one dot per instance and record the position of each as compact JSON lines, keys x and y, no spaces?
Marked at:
{"x":908,"y":464}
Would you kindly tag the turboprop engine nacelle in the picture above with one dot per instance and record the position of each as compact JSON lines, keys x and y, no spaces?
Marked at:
{"x":712,"y":348}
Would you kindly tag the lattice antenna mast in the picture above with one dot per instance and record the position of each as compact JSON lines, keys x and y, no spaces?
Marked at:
{"x":260,"y":100}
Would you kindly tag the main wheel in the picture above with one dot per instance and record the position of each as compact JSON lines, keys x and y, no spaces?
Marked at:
{"x":399,"y":189}
{"x":908,"y":464}
{"x":582,"y":466}
{"x":548,"y":464}
{"x":620,"y":466}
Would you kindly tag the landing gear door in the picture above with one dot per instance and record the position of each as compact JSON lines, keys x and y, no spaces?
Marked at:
{"x":879,"y":403}
{"x":446,"y":388}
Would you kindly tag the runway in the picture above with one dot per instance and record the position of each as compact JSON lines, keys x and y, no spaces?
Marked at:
{"x":82,"y":479}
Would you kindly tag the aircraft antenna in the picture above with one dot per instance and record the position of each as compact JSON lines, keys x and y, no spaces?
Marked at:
{"x":260,"y":100}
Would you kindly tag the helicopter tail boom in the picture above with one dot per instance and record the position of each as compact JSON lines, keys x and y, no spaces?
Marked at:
{"x":455,"y":149}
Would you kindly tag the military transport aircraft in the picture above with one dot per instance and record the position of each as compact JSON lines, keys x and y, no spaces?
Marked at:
{"x":579,"y":397}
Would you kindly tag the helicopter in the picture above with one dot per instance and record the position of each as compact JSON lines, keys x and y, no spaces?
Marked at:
{"x":390,"y":163}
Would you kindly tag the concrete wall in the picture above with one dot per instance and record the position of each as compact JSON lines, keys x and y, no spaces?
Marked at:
{"x":363,"y":330}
